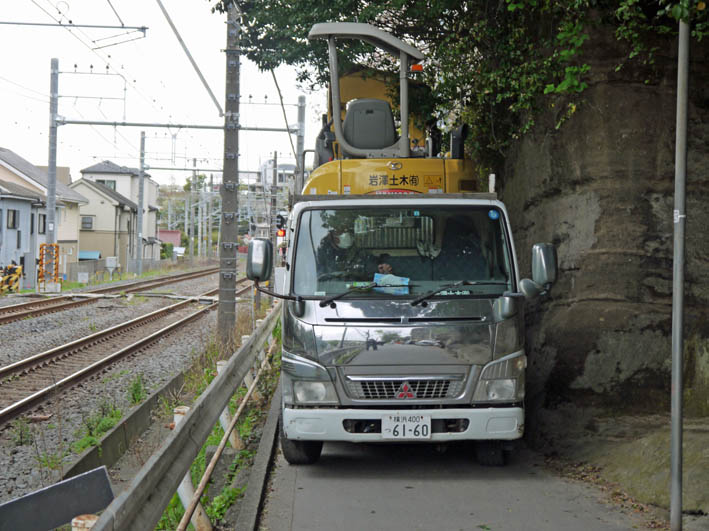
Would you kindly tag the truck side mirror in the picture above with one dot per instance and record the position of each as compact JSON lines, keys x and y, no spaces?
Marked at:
{"x":259,"y":261}
{"x":544,"y":263}
{"x":544,"y":267}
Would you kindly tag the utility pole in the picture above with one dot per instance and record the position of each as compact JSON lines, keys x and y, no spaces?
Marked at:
{"x":209,"y":215}
{"x":229,"y":190}
{"x":680,"y":219}
{"x":300,"y":147}
{"x":52,"y":163}
{"x":141,"y":185}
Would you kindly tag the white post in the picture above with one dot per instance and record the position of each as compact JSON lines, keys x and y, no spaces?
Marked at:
{"x":83,"y":522}
{"x":225,"y":418}
{"x":199,"y":519}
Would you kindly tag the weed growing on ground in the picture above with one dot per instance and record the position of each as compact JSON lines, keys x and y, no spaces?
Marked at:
{"x":20,"y":432}
{"x":172,"y":515}
{"x":221,"y":503}
{"x":95,"y":425}
{"x":136,"y":391}
{"x":167,"y":404}
{"x":200,"y":375}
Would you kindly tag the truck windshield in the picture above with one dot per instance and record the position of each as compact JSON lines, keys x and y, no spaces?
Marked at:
{"x":405,"y":251}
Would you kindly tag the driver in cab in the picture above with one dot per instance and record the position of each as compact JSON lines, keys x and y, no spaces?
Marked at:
{"x":339,"y":257}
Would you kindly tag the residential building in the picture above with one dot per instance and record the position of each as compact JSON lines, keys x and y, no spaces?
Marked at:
{"x":170,"y":236}
{"x":108,"y":222}
{"x":23,"y":224}
{"x":125,"y":181}
{"x":15,"y":169}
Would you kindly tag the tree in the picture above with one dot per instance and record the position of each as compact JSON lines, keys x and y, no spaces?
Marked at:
{"x":490,"y":64}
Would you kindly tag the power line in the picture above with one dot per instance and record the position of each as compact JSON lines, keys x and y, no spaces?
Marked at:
{"x":26,"y":88}
{"x":116,"y":12}
{"x":142,"y":29}
{"x":105,"y":60}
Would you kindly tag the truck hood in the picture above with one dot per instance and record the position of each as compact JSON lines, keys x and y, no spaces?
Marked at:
{"x":445,"y":333}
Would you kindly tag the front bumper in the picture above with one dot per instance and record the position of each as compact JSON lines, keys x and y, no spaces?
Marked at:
{"x":314,"y":424}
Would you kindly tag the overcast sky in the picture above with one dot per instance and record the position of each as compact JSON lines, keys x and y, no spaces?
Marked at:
{"x":162,"y":87}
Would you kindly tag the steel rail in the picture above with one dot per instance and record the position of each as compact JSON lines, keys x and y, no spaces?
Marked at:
{"x":16,"y":312}
{"x":42,"y":359}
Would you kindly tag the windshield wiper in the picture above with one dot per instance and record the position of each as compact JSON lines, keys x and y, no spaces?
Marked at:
{"x":333,"y":298}
{"x":430,"y":294}
{"x":366,"y":287}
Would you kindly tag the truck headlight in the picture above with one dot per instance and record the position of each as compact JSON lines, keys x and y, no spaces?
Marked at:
{"x":502,"y":380}
{"x":308,"y":392}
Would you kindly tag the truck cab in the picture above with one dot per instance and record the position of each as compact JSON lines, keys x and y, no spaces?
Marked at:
{"x":404,"y":313}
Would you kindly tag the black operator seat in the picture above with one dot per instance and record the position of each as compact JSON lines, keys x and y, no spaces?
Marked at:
{"x":369,"y":124}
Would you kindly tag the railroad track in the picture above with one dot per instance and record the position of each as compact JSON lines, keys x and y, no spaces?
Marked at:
{"x":26,"y":383}
{"x":36,"y":308}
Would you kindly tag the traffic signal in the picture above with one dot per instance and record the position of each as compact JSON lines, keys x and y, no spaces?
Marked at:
{"x":280,"y":221}
{"x":281,"y":233}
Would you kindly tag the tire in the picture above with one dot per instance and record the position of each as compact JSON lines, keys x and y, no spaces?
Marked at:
{"x":299,"y":452}
{"x":490,"y":453}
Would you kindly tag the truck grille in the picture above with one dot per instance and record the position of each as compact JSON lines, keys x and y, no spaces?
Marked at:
{"x":364,"y":388}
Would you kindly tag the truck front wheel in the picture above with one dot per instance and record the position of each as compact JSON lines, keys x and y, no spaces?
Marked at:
{"x":299,"y":452}
{"x":490,"y":453}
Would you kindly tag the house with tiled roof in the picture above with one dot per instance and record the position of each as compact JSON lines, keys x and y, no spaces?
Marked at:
{"x":125,"y":181}
{"x":108,"y":222}
{"x":18,"y":171}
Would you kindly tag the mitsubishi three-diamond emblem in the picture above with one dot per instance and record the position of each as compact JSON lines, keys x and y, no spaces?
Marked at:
{"x":405,"y":391}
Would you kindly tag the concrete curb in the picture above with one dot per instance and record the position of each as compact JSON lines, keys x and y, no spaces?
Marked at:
{"x":114,"y":444}
{"x":255,"y":491}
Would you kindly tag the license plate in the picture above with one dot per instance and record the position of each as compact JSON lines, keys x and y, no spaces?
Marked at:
{"x":406,"y":426}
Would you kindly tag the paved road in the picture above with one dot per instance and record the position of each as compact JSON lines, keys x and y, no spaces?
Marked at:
{"x":407,"y":487}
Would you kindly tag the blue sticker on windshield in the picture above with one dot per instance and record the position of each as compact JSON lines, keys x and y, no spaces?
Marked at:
{"x":493,"y":214}
{"x":416,"y":213}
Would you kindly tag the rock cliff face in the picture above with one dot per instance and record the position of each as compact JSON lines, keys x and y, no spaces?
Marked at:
{"x":601,"y":188}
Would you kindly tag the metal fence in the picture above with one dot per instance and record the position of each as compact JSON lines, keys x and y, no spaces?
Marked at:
{"x":94,"y":269}
{"x":142,"y":504}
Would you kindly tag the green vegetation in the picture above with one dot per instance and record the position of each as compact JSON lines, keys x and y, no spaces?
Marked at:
{"x":20,"y":432}
{"x":491,"y":65}
{"x":136,"y":391}
{"x":95,"y":425}
{"x":166,"y":250}
{"x":225,"y":499}
{"x":197,"y":379}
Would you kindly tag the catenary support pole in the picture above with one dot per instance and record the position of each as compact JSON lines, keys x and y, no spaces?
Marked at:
{"x":141,"y":198}
{"x":229,"y":190}
{"x":188,"y":233}
{"x":200,"y":220}
{"x":169,"y":213}
{"x":300,"y":147}
{"x":679,"y":218}
{"x":209,"y":216}
{"x":52,"y":162}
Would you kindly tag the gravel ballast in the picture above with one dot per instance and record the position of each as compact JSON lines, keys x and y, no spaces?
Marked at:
{"x":27,"y":337}
{"x":25,"y":468}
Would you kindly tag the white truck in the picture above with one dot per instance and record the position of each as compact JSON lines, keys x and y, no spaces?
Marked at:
{"x":404,"y":318}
